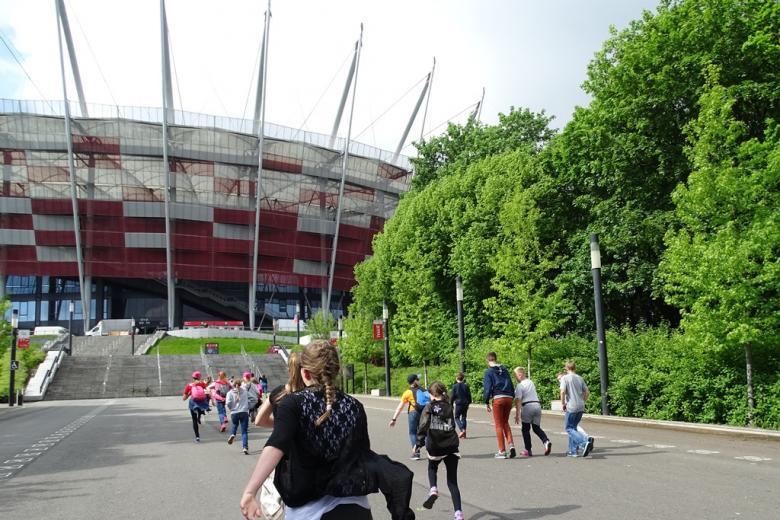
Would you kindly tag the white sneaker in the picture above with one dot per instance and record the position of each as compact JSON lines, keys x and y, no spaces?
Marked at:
{"x":500,"y":455}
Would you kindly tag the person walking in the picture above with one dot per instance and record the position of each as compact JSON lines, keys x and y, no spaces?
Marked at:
{"x":409,"y":400}
{"x":574,"y":394}
{"x":219,"y":393}
{"x":437,"y":433}
{"x":238,"y":403}
{"x":528,"y":410}
{"x":498,"y":387}
{"x":252,"y":393}
{"x":319,"y":435}
{"x":195,"y":390}
{"x":267,"y":412}
{"x":461,"y":399}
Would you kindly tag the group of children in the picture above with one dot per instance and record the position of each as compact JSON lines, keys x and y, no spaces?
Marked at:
{"x":237,"y":402}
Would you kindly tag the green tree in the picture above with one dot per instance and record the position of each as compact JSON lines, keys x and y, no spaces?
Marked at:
{"x":320,"y":325}
{"x":722,"y":267}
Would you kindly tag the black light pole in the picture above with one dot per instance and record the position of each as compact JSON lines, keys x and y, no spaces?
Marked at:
{"x":274,"y":324}
{"x":298,"y":323}
{"x":340,"y":326}
{"x":595,"y":264}
{"x":132,"y":336}
{"x":461,"y":335}
{"x":386,"y":330}
{"x":70,"y":328}
{"x":14,"y":331}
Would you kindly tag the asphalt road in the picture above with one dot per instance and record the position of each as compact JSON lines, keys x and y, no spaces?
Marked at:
{"x":135,"y":458}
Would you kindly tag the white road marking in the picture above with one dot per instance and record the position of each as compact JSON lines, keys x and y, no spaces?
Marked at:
{"x":624,"y":441}
{"x":703,"y":452}
{"x":753,"y":458}
{"x":28,"y":455}
{"x":660,"y":446}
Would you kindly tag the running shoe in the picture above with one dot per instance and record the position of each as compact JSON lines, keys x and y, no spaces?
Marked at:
{"x":588,"y":447}
{"x":570,"y":454}
{"x":512,"y":452}
{"x":197,"y":439}
{"x":525,"y":454}
{"x":500,"y":455}
{"x":246,"y":451}
{"x":547,"y":447}
{"x":431,"y":498}
{"x":458,"y":515}
{"x":415,"y":456}
{"x":231,"y":439}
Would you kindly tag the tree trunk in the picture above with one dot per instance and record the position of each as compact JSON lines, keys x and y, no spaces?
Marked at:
{"x":749,"y":369}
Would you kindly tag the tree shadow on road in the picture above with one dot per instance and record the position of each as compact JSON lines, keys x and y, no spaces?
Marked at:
{"x":14,"y":493}
{"x":526,"y":514}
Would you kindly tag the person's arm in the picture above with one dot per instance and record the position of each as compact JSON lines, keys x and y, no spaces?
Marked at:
{"x":422,"y":428}
{"x":586,"y":392}
{"x":264,"y":418}
{"x":186,"y":393}
{"x":563,"y":398}
{"x":268,"y":460}
{"x":487,"y":392}
{"x":397,"y":412}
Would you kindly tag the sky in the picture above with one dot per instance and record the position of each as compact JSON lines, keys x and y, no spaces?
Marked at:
{"x":524,"y":53}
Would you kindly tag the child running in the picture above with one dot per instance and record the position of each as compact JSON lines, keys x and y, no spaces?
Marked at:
{"x":437,"y":433}
{"x":219,"y":393}
{"x":199,"y":403}
{"x":238,"y":404}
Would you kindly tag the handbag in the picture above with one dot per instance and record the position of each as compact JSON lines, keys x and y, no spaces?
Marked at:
{"x":270,"y":500}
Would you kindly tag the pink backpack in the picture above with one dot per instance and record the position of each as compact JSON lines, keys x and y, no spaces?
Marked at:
{"x":197,"y":393}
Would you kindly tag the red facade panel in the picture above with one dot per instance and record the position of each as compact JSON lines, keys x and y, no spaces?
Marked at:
{"x":14,"y":157}
{"x":52,"y":206}
{"x":234,"y":216}
{"x":55,"y":238}
{"x":15,"y":221}
{"x":110,"y":208}
{"x":144,"y":225}
{"x":281,"y":163}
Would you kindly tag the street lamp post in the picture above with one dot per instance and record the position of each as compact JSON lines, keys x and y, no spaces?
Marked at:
{"x":132,"y":336}
{"x":386,"y":330}
{"x":298,"y":323}
{"x":461,"y":335}
{"x":70,"y":327}
{"x":274,"y":324}
{"x":14,"y":332}
{"x":595,"y":264}
{"x":341,"y":329}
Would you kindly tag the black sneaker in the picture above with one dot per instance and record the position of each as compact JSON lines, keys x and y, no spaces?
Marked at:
{"x":231,"y":439}
{"x":588,"y":447}
{"x":512,"y":452}
{"x":429,"y":501}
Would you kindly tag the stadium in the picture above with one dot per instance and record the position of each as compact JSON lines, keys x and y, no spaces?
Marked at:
{"x":166,"y":216}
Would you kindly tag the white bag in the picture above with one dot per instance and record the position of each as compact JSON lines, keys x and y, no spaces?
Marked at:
{"x":270,"y":501}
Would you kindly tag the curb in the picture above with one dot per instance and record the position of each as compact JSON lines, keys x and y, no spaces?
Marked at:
{"x":712,"y":429}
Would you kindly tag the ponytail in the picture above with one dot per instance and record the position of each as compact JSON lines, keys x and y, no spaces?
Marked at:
{"x":321,"y":359}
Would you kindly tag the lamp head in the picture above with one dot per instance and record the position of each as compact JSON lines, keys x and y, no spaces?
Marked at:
{"x":15,"y":318}
{"x":595,"y":252}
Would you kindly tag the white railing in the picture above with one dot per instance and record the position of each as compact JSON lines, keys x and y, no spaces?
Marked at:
{"x":39,"y":383}
{"x":181,"y":117}
{"x":144,"y":347}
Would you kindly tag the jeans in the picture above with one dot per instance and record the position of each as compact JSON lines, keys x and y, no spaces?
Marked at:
{"x":501,"y":408}
{"x":221,"y":411}
{"x":243,"y":418}
{"x":570,"y":422}
{"x":461,"y":410}
{"x":414,"y":422}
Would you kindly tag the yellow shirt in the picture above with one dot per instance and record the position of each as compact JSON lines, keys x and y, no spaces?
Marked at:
{"x":408,"y":397}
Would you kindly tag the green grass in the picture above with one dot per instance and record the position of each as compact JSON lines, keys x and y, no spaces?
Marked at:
{"x":29,"y":359}
{"x":173,"y":346}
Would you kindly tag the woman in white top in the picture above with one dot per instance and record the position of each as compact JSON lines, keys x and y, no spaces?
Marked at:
{"x":529,"y":411}
{"x":238,"y":404}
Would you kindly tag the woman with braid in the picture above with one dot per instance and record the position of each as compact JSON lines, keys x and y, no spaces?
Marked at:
{"x":320,"y":435}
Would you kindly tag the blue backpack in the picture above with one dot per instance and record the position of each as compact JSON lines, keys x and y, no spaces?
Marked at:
{"x":422,"y":397}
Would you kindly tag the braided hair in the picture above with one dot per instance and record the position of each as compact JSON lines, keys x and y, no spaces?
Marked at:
{"x":321,"y":359}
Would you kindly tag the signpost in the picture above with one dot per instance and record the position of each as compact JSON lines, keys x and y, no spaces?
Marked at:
{"x":212,"y":348}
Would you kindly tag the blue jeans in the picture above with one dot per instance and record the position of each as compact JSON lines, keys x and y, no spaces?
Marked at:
{"x":570,"y":422}
{"x":243,"y":418}
{"x":221,"y":411}
{"x":461,"y":410}
{"x":414,"y":422}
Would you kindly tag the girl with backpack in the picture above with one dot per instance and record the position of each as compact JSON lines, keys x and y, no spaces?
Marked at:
{"x":437,"y":433}
{"x":238,"y":404}
{"x":319,"y":434}
{"x":199,"y":402}
{"x":219,"y":394}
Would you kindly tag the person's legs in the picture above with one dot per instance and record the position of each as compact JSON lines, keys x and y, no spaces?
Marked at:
{"x":194,"y":415}
{"x":498,"y":426}
{"x":414,"y":422}
{"x":221,"y":414}
{"x":243,"y":418}
{"x":506,"y":409}
{"x":540,"y":433}
{"x":451,"y":463}
{"x":233,"y":427}
{"x":527,"y":436}
{"x":464,"y":413}
{"x":458,"y":416}
{"x":575,"y":438}
{"x":433,"y":469}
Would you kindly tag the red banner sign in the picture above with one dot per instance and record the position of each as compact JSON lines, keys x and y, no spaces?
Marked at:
{"x":379,"y":330}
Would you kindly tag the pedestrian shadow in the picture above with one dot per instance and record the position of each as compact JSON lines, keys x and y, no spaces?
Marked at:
{"x":526,"y":513}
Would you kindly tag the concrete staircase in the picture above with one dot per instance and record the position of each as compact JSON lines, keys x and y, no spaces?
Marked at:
{"x":94,"y":376}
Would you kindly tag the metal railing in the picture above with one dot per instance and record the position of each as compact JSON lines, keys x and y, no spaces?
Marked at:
{"x":185,"y":118}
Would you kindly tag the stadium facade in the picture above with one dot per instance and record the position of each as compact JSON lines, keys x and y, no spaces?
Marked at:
{"x":124,"y":227}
